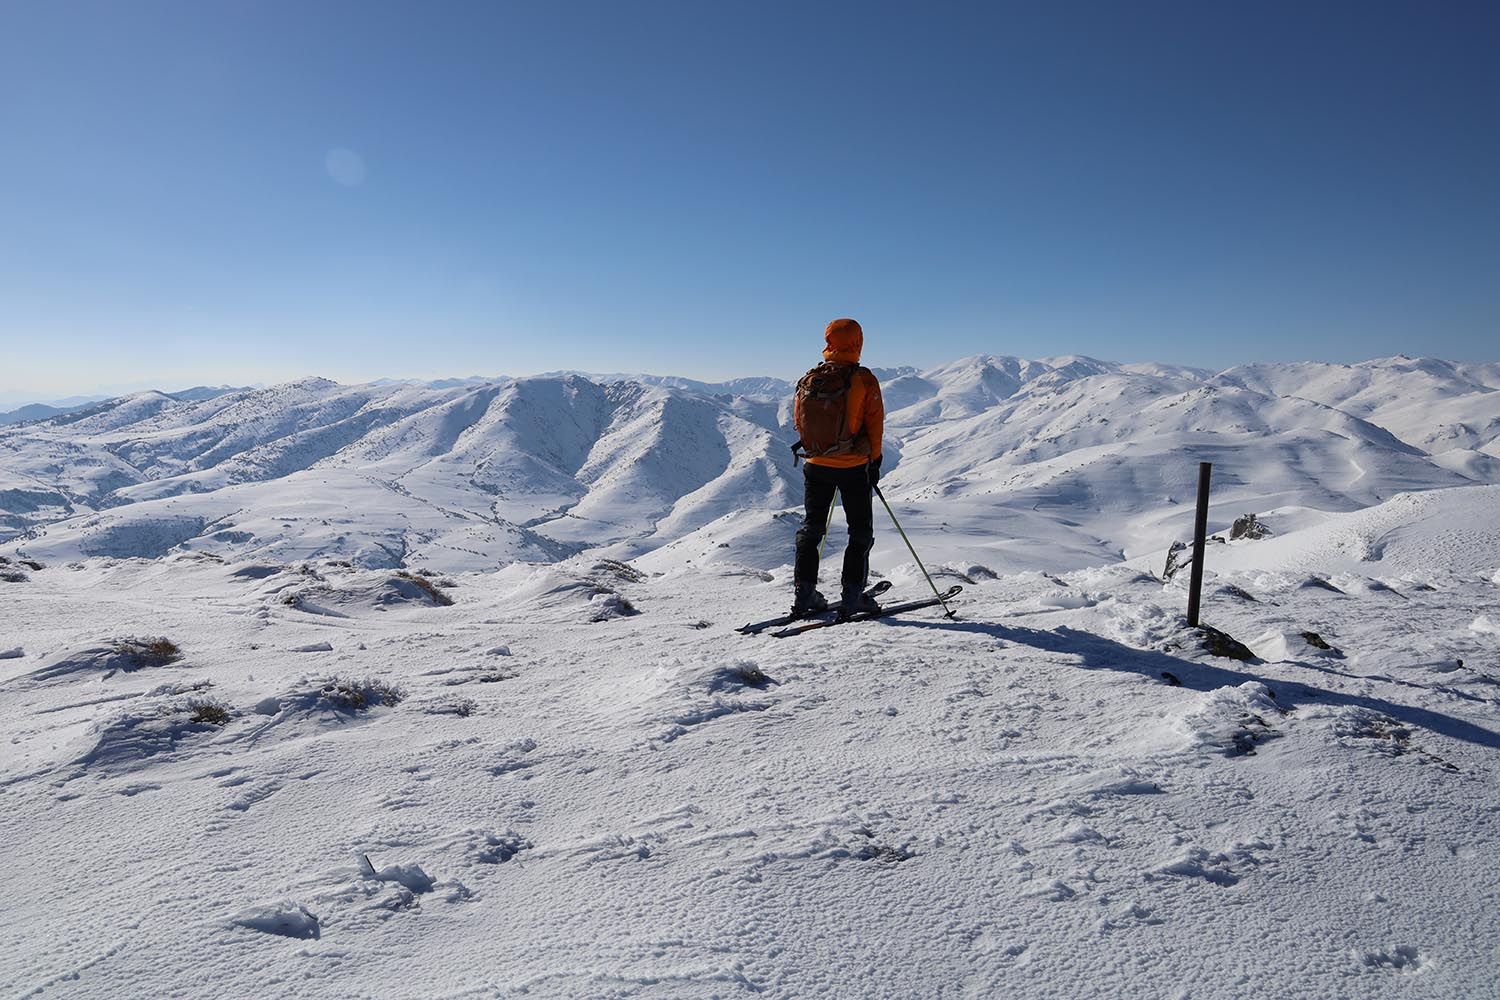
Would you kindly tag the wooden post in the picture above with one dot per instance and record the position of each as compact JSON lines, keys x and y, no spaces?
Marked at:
{"x":1200,"y":529}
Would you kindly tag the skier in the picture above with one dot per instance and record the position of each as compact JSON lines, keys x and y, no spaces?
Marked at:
{"x":840,"y":417}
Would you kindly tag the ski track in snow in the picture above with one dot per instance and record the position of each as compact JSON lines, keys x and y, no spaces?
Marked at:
{"x":1013,"y":802}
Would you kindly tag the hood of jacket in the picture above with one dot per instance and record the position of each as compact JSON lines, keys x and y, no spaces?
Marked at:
{"x":845,"y":340}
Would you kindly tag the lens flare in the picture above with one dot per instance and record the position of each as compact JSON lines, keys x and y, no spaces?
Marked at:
{"x":345,"y":166}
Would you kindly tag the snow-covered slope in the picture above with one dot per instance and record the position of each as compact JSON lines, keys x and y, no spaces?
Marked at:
{"x":473,"y":476}
{"x":1433,"y":404}
{"x":575,"y":780}
{"x":1436,"y":531}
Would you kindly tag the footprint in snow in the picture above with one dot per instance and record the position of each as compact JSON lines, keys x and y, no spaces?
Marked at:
{"x":1067,"y":602}
{"x":253,"y":796}
{"x":491,"y":847}
{"x":409,"y":875}
{"x":130,"y":791}
{"x":1402,"y":959}
{"x":391,"y":889}
{"x":286,"y":918}
{"x":1221,"y":868}
{"x":619,"y":847}
{"x":1055,"y":891}
{"x":1132,"y":914}
{"x":514,"y":758}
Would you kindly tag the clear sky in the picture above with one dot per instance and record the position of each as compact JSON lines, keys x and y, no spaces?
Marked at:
{"x":246,"y":192}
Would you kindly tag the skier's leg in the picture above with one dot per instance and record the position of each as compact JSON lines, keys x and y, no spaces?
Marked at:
{"x":855,"y":489}
{"x":818,"y":491}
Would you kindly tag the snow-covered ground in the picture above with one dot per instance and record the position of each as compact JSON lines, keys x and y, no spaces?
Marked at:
{"x":576,"y":779}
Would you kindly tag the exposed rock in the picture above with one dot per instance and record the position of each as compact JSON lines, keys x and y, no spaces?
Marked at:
{"x":1217,"y":643}
{"x":1175,"y":560}
{"x":1314,"y":639}
{"x":1248,"y":526}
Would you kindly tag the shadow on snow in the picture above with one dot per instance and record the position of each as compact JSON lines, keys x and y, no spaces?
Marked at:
{"x":1098,"y":653}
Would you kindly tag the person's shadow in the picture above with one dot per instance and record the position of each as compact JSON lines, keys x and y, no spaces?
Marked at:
{"x":1099,"y":653}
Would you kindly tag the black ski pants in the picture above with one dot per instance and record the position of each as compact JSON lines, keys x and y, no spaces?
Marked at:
{"x":820,"y":482}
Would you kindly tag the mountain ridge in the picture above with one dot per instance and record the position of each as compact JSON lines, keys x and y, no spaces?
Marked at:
{"x":474,"y":474}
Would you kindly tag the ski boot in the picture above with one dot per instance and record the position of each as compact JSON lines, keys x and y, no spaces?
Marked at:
{"x":856,"y":602}
{"x":807,"y":601}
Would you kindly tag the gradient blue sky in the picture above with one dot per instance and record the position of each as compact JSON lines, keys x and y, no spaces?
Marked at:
{"x":248,"y":192}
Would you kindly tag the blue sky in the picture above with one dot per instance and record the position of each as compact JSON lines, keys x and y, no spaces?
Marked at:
{"x":247,"y":192}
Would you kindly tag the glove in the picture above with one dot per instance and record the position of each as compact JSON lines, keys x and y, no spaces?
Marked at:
{"x":873,"y":471}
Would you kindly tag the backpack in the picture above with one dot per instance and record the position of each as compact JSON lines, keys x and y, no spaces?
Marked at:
{"x":821,"y":411}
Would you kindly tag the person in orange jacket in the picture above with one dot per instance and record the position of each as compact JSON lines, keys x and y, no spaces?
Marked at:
{"x":850,"y":467}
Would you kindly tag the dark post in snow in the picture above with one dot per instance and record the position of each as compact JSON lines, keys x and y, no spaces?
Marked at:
{"x":1200,"y":529}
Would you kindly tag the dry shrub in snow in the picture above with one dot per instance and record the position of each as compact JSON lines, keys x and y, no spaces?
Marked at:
{"x":427,"y":587}
{"x":208,"y":712}
{"x":462,"y":707}
{"x":148,"y":651}
{"x":605,"y":605}
{"x":358,"y":695}
{"x":741,"y":674}
{"x":619,"y":570}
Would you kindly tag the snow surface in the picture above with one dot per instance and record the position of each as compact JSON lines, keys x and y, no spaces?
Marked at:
{"x":459,"y":710}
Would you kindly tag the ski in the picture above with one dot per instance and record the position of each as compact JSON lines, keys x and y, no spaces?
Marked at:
{"x":756,"y":627}
{"x":894,"y":609}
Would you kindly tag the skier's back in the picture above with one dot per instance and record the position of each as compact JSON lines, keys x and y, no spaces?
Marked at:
{"x":841,"y":418}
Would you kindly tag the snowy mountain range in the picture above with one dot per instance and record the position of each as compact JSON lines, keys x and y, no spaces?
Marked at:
{"x":1063,"y":462}
{"x":73,"y":404}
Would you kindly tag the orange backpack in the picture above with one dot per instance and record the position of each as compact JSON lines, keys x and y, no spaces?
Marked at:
{"x":821,"y":411}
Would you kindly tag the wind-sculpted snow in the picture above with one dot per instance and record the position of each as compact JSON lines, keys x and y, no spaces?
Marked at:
{"x":1060,"y":462}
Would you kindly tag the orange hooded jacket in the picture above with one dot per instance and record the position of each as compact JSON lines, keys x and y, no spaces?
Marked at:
{"x":845,"y":340}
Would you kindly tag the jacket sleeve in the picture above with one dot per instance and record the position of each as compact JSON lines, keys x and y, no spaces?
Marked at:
{"x":874,"y":415}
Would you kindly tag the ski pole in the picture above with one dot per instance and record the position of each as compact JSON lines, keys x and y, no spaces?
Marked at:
{"x":827,"y":523}
{"x":914,"y":555}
